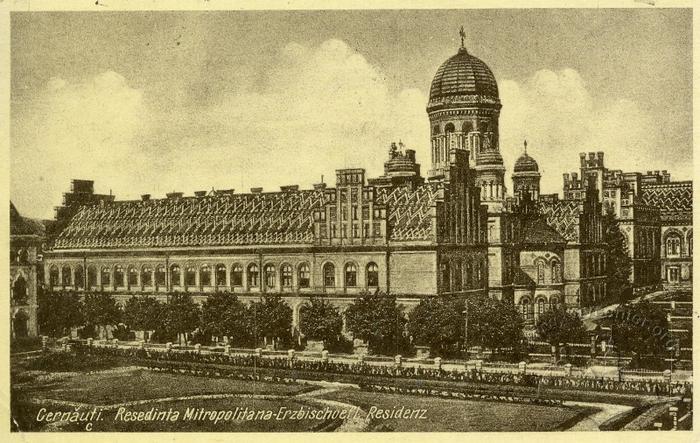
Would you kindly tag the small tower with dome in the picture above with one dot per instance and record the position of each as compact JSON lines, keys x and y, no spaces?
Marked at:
{"x":526,"y":176}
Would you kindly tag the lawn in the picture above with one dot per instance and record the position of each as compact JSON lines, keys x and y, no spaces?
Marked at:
{"x":448,"y":415}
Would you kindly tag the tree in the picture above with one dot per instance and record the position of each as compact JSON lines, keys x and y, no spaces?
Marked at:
{"x":377,"y":319}
{"x":271,"y":318}
{"x":181,"y":315}
{"x":493,"y":323}
{"x":101,"y":310}
{"x":224,"y":315}
{"x":619,"y":264}
{"x":642,"y":329}
{"x":58,"y":312}
{"x":142,"y":313}
{"x":321,"y":321}
{"x":558,"y":326}
{"x":437,"y":323}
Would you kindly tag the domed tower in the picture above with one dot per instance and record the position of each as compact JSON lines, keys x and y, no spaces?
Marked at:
{"x":463,"y":110}
{"x":526,"y":176}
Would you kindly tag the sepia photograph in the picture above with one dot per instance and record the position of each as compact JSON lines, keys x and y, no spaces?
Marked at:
{"x":351,"y":220}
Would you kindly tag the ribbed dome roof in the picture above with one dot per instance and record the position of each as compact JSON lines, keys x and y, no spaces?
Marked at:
{"x":463,"y":74}
{"x":525,"y":163}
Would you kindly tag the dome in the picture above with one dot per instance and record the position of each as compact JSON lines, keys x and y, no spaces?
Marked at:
{"x":525,"y":163}
{"x":463,"y":74}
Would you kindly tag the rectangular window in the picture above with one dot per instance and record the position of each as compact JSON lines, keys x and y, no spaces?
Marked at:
{"x":377,"y":230}
{"x":354,"y":212}
{"x":356,"y":231}
{"x":365,"y":212}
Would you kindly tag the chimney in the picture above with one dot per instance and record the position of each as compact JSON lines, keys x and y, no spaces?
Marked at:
{"x":319,"y":186}
{"x":411,"y":154}
{"x":145,"y":197}
{"x":174,"y":195}
{"x":256,"y":190}
{"x":200,"y":194}
{"x":289,"y":188}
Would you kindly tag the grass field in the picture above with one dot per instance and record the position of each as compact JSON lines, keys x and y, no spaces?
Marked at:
{"x":447,"y":415}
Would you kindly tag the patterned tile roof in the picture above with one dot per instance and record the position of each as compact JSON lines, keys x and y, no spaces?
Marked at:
{"x":538,"y":231}
{"x":409,"y":214}
{"x":675,"y":199}
{"x":240,"y":219}
{"x":563,"y":216}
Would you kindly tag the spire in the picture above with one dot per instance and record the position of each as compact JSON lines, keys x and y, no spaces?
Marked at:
{"x":462,"y":36}
{"x":525,"y":143}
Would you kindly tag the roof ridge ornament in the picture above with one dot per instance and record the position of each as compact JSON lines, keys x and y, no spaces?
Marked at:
{"x":462,"y":36}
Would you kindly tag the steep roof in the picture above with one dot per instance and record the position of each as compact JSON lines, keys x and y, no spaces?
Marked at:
{"x":537,"y":231}
{"x":240,"y":219}
{"x":24,"y":226}
{"x":674,"y":199}
{"x":563,"y":216}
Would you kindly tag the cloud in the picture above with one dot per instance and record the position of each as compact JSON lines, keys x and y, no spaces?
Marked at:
{"x":556,"y":113}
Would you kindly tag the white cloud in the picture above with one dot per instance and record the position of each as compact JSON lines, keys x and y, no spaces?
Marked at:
{"x":556,"y":113}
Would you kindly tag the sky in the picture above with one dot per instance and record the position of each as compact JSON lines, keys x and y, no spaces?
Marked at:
{"x":154,"y":102}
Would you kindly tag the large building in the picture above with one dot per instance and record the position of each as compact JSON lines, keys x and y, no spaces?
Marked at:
{"x":655,"y":215}
{"x":26,"y":272}
{"x":455,"y":232}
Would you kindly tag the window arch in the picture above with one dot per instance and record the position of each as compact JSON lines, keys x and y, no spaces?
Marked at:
{"x":220,"y":277}
{"x":466,"y":127}
{"x":205,"y":275}
{"x":237,"y":275}
{"x":253,"y":276}
{"x":146,"y":276}
{"x":66,"y":275}
{"x":541,"y":306}
{"x":540,"y":272}
{"x":484,"y":127}
{"x":526,"y":308}
{"x":350,"y":275}
{"x":160,"y":275}
{"x":175,"y":275}
{"x":92,"y":277}
{"x":329,"y":275}
{"x":106,"y":276}
{"x":449,"y":128}
{"x":673,"y":245}
{"x":436,"y":129}
{"x":270,"y":276}
{"x":19,"y":290}
{"x":118,"y":276}
{"x":556,"y":272}
{"x":304,"y":276}
{"x":372,"y":275}
{"x":554,"y":302}
{"x":287,"y":273}
{"x":190,"y":276}
{"x":79,"y":277}
{"x":23,"y":256}
{"x":133,"y":277}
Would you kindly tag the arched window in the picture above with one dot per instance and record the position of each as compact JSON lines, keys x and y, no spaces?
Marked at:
{"x":105,"y":278}
{"x":220,"y":275}
{"x":118,"y":276}
{"x":526,"y":308}
{"x":673,"y":245}
{"x":65,"y":276}
{"x":466,"y":127}
{"x":79,"y":277}
{"x":270,"y":276}
{"x":556,"y":272}
{"x":540,"y":306}
{"x":175,"y":275}
{"x":372,"y":275}
{"x":436,"y":129}
{"x":53,"y":276}
{"x":445,"y":275}
{"x":133,"y":277}
{"x":690,"y":244}
{"x":146,"y":276}
{"x":540,"y":273}
{"x":205,"y":275}
{"x":350,"y":275}
{"x":190,"y":276}
{"x":304,"y":276}
{"x":458,"y":276}
{"x":329,"y":275}
{"x":92,"y":277}
{"x":484,"y":126}
{"x":23,"y":257}
{"x":19,"y":291}
{"x":554,"y":302}
{"x":237,"y":275}
{"x":287,"y":273}
{"x":160,"y":275}
{"x":253,"y":276}
{"x":449,"y":128}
